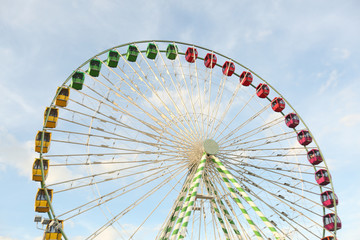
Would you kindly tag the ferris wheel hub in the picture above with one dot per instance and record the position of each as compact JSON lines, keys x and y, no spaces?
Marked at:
{"x":211,"y":147}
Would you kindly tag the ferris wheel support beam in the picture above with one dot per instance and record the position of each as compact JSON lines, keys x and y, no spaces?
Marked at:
{"x":166,"y":231}
{"x":189,"y":202}
{"x":227,"y":177}
{"x":211,"y":188}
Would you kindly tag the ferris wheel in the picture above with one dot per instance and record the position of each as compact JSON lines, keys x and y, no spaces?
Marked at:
{"x":168,"y":140}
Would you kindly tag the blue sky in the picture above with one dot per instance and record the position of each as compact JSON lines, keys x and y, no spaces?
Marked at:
{"x":308,"y":50}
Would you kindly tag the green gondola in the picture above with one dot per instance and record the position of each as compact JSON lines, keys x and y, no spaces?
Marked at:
{"x":113,"y":59}
{"x":171,"y":51}
{"x":151,"y":51}
{"x":77,"y":80}
{"x":94,"y":69}
{"x":132,"y":53}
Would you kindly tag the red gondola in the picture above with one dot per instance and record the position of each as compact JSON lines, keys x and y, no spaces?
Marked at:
{"x":278,"y":104}
{"x":329,"y":222}
{"x":228,"y":68}
{"x":262,"y":90}
{"x":304,"y":137}
{"x":246,"y":78}
{"x":328,"y":238}
{"x":328,"y":200}
{"x":292,"y":120}
{"x":314,"y":156}
{"x":322,"y":177}
{"x":191,"y":54}
{"x":210,"y":60}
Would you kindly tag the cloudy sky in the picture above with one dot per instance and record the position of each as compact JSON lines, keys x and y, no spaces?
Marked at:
{"x":308,"y":50}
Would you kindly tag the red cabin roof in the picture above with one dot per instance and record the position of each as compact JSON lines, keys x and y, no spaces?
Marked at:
{"x":278,"y":104}
{"x":328,"y":200}
{"x":329,"y":222}
{"x":304,"y":137}
{"x":246,"y":78}
{"x":322,"y":177}
{"x":262,"y":90}
{"x":191,"y":54}
{"x":314,"y":156}
{"x":228,"y":68}
{"x":292,"y":120}
{"x":210,"y":60}
{"x":328,"y":238}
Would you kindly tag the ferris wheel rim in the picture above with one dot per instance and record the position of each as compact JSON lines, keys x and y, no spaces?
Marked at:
{"x":186,"y":44}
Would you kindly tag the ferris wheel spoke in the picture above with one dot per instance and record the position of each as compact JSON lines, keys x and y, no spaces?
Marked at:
{"x":290,"y":205}
{"x":111,"y":196}
{"x":217,"y":103}
{"x":161,"y":201}
{"x":134,"y":87}
{"x":226,"y":109}
{"x":190,"y":94}
{"x":118,"y":138}
{"x":280,"y":185}
{"x":131,"y":101}
{"x":125,"y":150}
{"x":91,"y":182}
{"x":133,"y":205}
{"x":172,"y":114}
{"x":237,"y":157}
{"x":236,"y":115}
{"x":257,"y":130}
{"x":267,"y":140}
{"x":225,"y":139}
{"x":178,"y":92}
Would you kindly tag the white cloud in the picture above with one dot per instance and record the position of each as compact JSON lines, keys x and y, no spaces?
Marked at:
{"x":341,"y":53}
{"x":350,"y":120}
{"x":331,"y":82}
{"x":15,"y":153}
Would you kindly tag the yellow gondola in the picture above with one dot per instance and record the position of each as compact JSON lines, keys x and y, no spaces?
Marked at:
{"x":63,"y":97}
{"x":46,"y":142}
{"x":41,"y":204}
{"x":52,"y":231}
{"x":53,"y":117}
{"x":36,"y":172}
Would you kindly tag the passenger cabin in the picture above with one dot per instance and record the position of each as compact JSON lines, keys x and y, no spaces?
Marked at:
{"x":45,"y":143}
{"x":210,"y":60}
{"x":52,"y":231}
{"x":171,"y":51}
{"x":77,"y":80}
{"x":191,"y":54}
{"x":113,"y":59}
{"x":94,"y":67}
{"x":314,"y":156}
{"x":151,"y":51}
{"x":62,"y":96}
{"x":246,"y":78}
{"x":328,"y":238}
{"x":132,"y":53}
{"x":52,"y":115}
{"x":36,"y":171}
{"x":292,"y":120}
{"x":228,"y":68}
{"x":322,"y":177}
{"x":329,"y":222}
{"x":304,"y":137}
{"x":278,"y":104}
{"x":262,"y":90}
{"x":41,"y":203}
{"x":327,"y":199}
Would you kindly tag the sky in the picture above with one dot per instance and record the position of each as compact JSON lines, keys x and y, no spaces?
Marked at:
{"x":308,"y":50}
